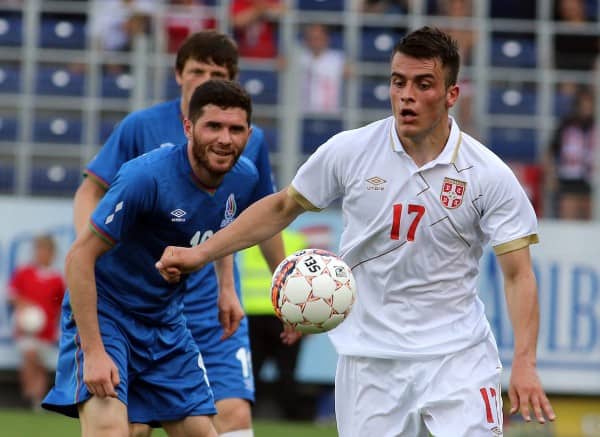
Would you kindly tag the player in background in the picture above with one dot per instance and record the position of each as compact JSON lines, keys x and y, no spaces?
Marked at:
{"x":204,"y":55}
{"x":126,"y":352}
{"x":420,"y":200}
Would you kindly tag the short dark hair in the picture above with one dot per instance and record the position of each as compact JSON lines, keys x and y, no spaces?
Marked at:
{"x":222,"y":93}
{"x":209,"y":46}
{"x":428,"y":43}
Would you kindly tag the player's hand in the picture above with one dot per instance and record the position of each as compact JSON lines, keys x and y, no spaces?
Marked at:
{"x":230,"y":312}
{"x":175,"y":261}
{"x":525,"y":391}
{"x":289,"y":335}
{"x":100,"y":374}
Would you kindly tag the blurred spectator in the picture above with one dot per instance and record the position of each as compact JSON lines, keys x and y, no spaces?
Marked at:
{"x":569,"y":165}
{"x":36,"y":291}
{"x":115,"y":23}
{"x":385,"y":6}
{"x":265,"y":328}
{"x":184,"y":17}
{"x":323,"y":69}
{"x":573,"y":51}
{"x":255,"y":26}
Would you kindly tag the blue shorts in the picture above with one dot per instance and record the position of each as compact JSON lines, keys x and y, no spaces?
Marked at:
{"x":228,"y":362}
{"x":160,"y":369}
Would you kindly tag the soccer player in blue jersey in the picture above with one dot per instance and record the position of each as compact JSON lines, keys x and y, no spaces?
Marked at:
{"x":204,"y":55}
{"x":125,"y":351}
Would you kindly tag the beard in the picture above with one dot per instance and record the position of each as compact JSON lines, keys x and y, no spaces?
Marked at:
{"x":200,"y":154}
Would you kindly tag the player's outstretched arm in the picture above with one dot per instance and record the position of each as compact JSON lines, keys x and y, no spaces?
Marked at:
{"x":86,"y":199}
{"x":99,"y":373}
{"x":525,"y":389}
{"x":259,"y":222}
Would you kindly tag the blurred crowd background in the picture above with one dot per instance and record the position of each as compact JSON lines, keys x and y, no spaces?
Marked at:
{"x":69,"y":70}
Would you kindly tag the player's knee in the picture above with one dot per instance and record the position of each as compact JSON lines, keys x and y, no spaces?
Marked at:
{"x":233,"y":414}
{"x":103,"y":416}
{"x":139,"y":430}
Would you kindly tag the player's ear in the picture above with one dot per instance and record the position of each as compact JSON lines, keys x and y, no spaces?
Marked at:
{"x":452,"y":94}
{"x":188,"y":128}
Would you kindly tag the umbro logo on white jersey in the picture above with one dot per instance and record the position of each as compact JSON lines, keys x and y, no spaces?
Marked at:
{"x":178,"y":215}
{"x":376,"y":183}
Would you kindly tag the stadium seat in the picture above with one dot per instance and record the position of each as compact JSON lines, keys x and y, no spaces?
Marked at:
{"x":58,"y":129}
{"x":59,"y":81}
{"x":63,"y":33}
{"x":316,"y":131}
{"x":8,"y":128}
{"x":7,"y":177}
{"x":513,"y":52}
{"x":172,"y":89}
{"x":271,"y":137}
{"x":262,"y":86}
{"x":512,"y":100}
{"x":563,"y":104}
{"x":10,"y":78}
{"x":321,"y":5}
{"x":11,"y":29}
{"x":53,"y":179}
{"x":375,"y":93}
{"x":117,"y":85}
{"x":376,"y":44}
{"x":513,"y":144}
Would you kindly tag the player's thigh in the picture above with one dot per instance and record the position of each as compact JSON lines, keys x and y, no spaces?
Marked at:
{"x":233,"y":414}
{"x":103,"y":416}
{"x":465,"y":396}
{"x":376,"y":397}
{"x":192,"y":426}
{"x":228,"y":362}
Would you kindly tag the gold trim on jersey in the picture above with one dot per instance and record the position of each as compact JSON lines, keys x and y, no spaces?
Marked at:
{"x":302,"y":201}
{"x":458,"y":143}
{"x":517,"y":244}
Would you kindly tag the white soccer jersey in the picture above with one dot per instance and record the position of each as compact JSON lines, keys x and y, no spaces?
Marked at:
{"x":413,"y":236}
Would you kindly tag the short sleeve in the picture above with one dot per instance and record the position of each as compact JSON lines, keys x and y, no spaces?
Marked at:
{"x":130,"y":196}
{"x":508,"y":218}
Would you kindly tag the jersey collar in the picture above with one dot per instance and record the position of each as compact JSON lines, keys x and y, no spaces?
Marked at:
{"x":450,"y":151}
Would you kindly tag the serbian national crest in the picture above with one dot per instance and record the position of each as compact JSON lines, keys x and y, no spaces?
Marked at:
{"x":452,"y":193}
{"x":230,"y":210}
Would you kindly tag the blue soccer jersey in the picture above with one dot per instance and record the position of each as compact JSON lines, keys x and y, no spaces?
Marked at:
{"x":228,"y":361}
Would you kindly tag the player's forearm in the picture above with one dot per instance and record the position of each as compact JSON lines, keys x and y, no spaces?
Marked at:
{"x":259,"y":222}
{"x":85,"y":201}
{"x":273,"y":251}
{"x":523,"y":310}
{"x":82,"y":288}
{"x":224,"y":271}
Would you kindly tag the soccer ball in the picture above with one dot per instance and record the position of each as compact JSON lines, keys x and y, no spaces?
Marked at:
{"x":31,"y":319}
{"x":313,"y":290}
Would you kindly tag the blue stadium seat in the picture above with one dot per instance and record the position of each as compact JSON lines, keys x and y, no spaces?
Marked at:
{"x":172,"y":89}
{"x":316,"y":131}
{"x":53,"y":179}
{"x":513,"y":144}
{"x":8,"y":128}
{"x":512,"y":101}
{"x":10,"y":78}
{"x":563,"y":104}
{"x":376,"y":44}
{"x":58,"y":129}
{"x":59,"y":81}
{"x":11,"y":29}
{"x":7,"y":177}
{"x":513,"y":52}
{"x":375,"y":93}
{"x":118,"y":85}
{"x":271,"y":137}
{"x":64,"y":33}
{"x":262,"y":86}
{"x":321,"y":5}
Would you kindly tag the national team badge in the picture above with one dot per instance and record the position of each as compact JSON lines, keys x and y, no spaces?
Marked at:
{"x":230,"y":210}
{"x":452,"y":193}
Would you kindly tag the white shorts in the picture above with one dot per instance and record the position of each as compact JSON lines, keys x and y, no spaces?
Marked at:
{"x":48,"y":352}
{"x":452,"y":396}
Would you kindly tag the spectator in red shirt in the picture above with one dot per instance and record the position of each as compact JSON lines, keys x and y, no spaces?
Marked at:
{"x":255,"y":26}
{"x":36,"y":291}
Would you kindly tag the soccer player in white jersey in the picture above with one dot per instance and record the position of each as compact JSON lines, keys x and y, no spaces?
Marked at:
{"x":420,"y":200}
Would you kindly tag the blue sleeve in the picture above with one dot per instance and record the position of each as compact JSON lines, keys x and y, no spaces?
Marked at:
{"x":122,"y":146}
{"x":260,"y":157}
{"x":131,"y":195}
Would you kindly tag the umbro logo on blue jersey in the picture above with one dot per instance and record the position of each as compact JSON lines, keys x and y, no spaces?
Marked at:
{"x":111,"y":217}
{"x":178,"y":215}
